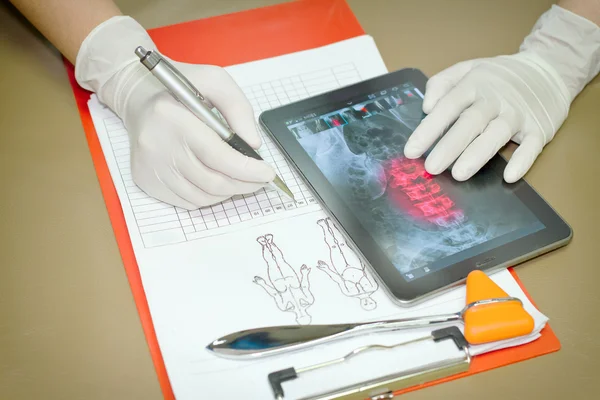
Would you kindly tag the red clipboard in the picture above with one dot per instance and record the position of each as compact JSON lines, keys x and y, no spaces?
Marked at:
{"x":258,"y":33}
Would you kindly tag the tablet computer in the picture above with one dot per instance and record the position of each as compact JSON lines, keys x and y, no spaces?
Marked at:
{"x":421,"y":234}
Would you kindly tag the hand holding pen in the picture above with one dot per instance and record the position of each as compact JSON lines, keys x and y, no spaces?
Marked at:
{"x":186,"y":93}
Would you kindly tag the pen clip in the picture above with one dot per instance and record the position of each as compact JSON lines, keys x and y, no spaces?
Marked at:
{"x":183,"y":79}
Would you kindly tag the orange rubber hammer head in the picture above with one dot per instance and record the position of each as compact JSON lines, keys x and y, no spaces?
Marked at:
{"x":496,"y":321}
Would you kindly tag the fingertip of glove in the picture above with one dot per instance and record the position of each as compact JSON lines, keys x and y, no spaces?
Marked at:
{"x":433,"y":166}
{"x":412,"y":151}
{"x":254,"y":141}
{"x":260,"y":171}
{"x":248,"y":131}
{"x":428,"y":105}
{"x":271,"y":174}
{"x":511,"y":175}
{"x":515,"y":169}
{"x":462,"y":174}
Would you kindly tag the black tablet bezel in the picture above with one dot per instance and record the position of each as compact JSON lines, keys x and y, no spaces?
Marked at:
{"x":555,"y":234}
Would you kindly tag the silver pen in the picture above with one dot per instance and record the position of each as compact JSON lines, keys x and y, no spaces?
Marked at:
{"x":185,"y":92}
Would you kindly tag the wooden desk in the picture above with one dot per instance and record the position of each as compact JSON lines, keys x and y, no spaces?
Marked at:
{"x":68,"y":325}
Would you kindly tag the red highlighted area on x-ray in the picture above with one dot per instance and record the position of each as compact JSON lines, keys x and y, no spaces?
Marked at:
{"x":415,"y":192}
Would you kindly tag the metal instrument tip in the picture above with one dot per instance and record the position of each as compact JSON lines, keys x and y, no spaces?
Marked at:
{"x":283,"y":187}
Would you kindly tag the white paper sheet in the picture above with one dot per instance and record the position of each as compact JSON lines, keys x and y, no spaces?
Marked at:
{"x":210,"y":272}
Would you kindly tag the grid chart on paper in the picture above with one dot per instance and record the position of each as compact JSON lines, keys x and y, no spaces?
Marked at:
{"x":161,"y":224}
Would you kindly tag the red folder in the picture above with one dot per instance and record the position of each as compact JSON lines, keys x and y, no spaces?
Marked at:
{"x":237,"y":38}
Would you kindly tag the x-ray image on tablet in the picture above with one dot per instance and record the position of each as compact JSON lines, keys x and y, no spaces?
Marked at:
{"x":352,"y":152}
{"x":418,"y":219}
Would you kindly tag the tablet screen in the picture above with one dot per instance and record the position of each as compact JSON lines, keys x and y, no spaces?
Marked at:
{"x":423,"y":223}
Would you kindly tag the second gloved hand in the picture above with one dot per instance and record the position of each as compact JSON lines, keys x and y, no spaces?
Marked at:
{"x":523,"y":97}
{"x":175,"y":157}
{"x":490,"y":102}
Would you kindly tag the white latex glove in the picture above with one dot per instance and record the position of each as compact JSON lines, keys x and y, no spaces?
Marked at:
{"x":175,"y":157}
{"x":524,"y":97}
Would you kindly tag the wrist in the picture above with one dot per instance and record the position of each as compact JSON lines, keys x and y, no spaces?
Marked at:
{"x":106,"y":62}
{"x":565,"y":47}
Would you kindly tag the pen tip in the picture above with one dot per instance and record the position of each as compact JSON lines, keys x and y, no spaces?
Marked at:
{"x":283,"y":187}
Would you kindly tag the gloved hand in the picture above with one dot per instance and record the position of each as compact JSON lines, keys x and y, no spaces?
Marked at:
{"x":175,"y":157}
{"x":524,"y":97}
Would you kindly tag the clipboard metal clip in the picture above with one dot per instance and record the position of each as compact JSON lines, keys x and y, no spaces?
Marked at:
{"x":382,"y":388}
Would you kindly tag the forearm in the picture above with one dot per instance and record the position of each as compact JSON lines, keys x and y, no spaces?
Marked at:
{"x":564,"y":45}
{"x":589,"y":9}
{"x":66,"y":23}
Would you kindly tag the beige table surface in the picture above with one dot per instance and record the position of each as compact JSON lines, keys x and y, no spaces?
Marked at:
{"x":68,"y":324}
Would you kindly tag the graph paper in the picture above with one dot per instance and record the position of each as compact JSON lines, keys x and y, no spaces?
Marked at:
{"x":159,"y":223}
